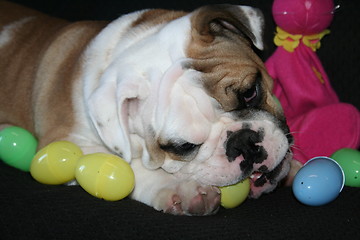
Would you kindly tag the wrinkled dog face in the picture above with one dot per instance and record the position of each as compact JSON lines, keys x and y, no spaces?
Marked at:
{"x":203,"y":108}
{"x":219,"y":123}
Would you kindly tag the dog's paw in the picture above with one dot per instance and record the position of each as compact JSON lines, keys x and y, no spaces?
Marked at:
{"x":295,"y":166}
{"x":188,"y":198}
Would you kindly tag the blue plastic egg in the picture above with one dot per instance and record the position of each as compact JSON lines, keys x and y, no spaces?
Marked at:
{"x":318,"y":182}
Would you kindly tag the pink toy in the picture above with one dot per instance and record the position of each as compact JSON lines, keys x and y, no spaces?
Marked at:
{"x":319,"y":122}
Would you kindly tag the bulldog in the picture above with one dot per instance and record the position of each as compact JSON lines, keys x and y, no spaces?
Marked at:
{"x":181,"y":96}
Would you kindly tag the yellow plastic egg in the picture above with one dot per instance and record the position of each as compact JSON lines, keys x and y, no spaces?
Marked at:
{"x":55,"y":163}
{"x":105,"y":176}
{"x":233,"y":195}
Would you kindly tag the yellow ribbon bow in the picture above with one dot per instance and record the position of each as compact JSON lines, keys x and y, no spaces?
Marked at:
{"x":291,"y":41}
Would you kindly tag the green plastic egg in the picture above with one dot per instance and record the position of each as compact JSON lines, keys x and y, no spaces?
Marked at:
{"x":349,"y":160}
{"x":17,"y":147}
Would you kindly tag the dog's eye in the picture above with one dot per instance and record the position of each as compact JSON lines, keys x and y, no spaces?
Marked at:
{"x":180,"y":149}
{"x":252,"y":96}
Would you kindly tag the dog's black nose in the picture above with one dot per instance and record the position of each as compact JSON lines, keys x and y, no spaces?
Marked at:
{"x":245,"y":142}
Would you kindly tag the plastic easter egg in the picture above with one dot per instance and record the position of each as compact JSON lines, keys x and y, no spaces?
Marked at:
{"x":17,"y":147}
{"x":349,"y":160}
{"x":105,"y":176}
{"x":55,"y":163}
{"x":318,"y":182}
{"x":233,"y":195}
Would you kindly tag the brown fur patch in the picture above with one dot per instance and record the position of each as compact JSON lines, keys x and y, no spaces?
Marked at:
{"x":19,"y":59}
{"x":228,"y":63}
{"x":58,"y":71}
{"x":38,"y":66}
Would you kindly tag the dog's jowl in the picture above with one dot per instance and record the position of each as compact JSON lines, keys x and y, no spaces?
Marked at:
{"x":181,"y":96}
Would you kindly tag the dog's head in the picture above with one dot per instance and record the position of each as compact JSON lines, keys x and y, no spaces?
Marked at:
{"x":187,"y":93}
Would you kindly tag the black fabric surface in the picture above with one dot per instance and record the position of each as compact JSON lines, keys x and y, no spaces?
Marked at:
{"x":30,"y":210}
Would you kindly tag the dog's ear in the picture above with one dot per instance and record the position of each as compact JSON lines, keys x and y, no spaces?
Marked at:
{"x":226,"y":20}
{"x":108,"y":108}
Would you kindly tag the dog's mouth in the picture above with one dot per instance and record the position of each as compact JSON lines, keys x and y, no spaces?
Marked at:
{"x":262,"y":182}
{"x":259,"y":183}
{"x":259,"y":179}
{"x":255,"y":176}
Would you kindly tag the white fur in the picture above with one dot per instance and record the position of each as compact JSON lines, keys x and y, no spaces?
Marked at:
{"x":256,"y":24}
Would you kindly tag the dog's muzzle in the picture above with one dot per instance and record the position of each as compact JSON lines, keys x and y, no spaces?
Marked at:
{"x":248,"y":145}
{"x":244,"y":142}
